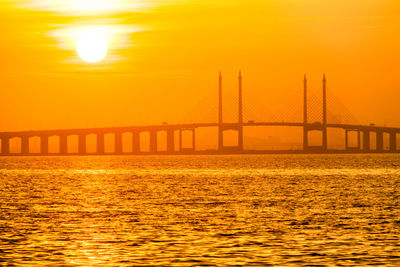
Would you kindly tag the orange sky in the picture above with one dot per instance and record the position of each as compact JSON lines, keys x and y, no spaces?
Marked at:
{"x":165,"y":56}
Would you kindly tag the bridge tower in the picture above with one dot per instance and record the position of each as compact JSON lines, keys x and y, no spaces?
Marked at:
{"x":305,"y":119}
{"x":324,"y":117}
{"x":230,"y":126}
{"x":322,"y":127}
{"x":220,"y":121}
{"x":240,"y":115}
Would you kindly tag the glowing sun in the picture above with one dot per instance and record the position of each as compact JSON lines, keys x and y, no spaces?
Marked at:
{"x":92,"y":44}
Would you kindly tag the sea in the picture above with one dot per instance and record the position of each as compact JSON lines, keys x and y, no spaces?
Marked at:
{"x":241,"y":210}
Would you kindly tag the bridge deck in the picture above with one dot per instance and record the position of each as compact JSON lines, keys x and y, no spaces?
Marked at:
{"x":171,"y":141}
{"x":165,"y":127}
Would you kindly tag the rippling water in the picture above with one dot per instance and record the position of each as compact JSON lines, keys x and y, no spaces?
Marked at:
{"x":200,"y":210}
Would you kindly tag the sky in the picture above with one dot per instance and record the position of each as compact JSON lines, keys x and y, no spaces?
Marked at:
{"x":164,"y":58}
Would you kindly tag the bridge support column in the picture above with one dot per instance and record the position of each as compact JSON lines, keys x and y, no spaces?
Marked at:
{"x":170,"y":141}
{"x":24,"y":145}
{"x":153,"y":141}
{"x":118,"y":143}
{"x":325,"y":139}
{"x":63,"y":144}
{"x":100,"y":143}
{"x":220,"y":138}
{"x":240,"y":138}
{"x":305,"y":138}
{"x":194,"y":139}
{"x":180,"y":140}
{"x":82,"y":144}
{"x":44,"y":145}
{"x":379,"y":141}
{"x":135,"y":142}
{"x":393,"y":142}
{"x":366,"y":141}
{"x":5,"y":145}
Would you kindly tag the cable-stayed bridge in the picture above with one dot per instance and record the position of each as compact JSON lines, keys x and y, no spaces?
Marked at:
{"x":174,"y":133}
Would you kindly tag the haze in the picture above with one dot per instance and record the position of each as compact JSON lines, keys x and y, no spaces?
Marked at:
{"x":164,"y":58}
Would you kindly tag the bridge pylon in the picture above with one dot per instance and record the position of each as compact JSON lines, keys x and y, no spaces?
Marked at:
{"x":323,"y":126}
{"x":305,"y":118}
{"x":222,"y":127}
{"x":240,"y":115}
{"x":220,"y":115}
{"x":324,"y":117}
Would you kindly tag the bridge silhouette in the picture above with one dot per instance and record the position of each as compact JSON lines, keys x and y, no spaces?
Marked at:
{"x":363,"y":133}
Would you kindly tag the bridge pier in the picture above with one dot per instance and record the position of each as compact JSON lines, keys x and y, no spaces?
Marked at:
{"x":5,"y":145}
{"x":325,"y":139}
{"x":306,"y":147}
{"x":82,"y":144}
{"x":366,"y":141}
{"x":305,"y":139}
{"x":135,"y":142}
{"x":118,"y":143}
{"x":379,"y":141}
{"x":44,"y":145}
{"x":100,"y":143}
{"x":194,"y":139}
{"x":220,"y":138}
{"x":180,"y":140}
{"x":153,"y":141}
{"x":234,"y":149}
{"x":170,"y":141}
{"x":393,"y":142}
{"x":63,"y":144}
{"x":24,"y":145}
{"x":309,"y":128}
{"x":240,"y":138}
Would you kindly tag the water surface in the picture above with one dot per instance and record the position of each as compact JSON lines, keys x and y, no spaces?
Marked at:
{"x":200,"y":210}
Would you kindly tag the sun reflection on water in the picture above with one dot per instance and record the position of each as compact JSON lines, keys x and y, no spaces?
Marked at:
{"x":214,"y":211}
{"x":213,"y":172}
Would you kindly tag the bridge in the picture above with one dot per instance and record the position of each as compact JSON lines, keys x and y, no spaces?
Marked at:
{"x":174,"y":135}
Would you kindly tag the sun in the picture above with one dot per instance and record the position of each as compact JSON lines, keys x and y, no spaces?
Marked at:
{"x":92,"y":44}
